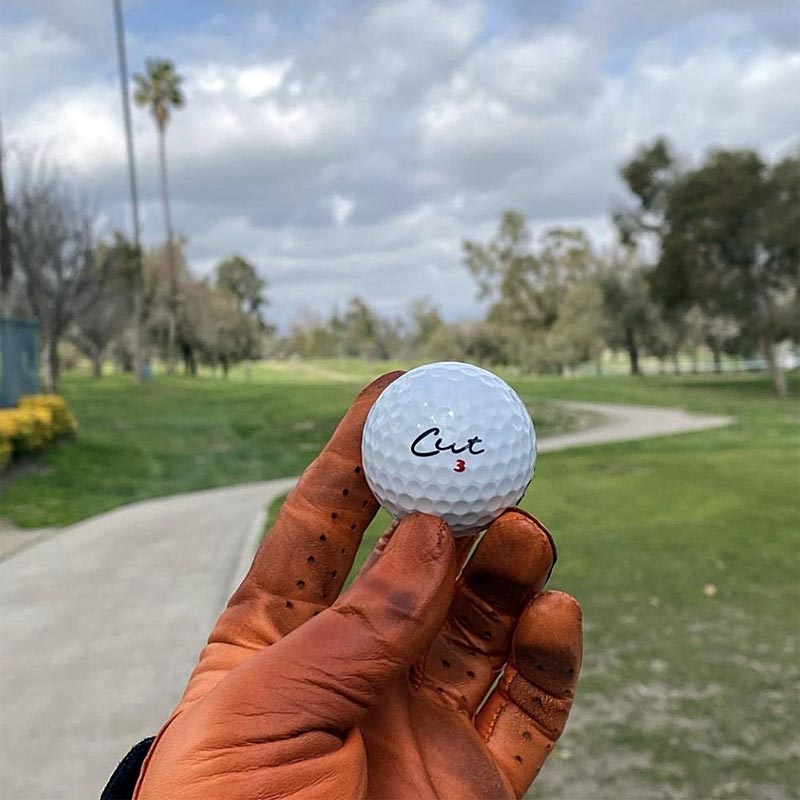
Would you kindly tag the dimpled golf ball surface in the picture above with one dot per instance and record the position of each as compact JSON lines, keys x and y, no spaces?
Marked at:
{"x":449,"y":439}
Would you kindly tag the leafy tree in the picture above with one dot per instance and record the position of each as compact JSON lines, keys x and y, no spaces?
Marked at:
{"x":98,"y":324}
{"x":527,"y":286}
{"x":360,"y":331}
{"x":464,"y":341}
{"x":632,"y":319}
{"x":727,"y":236}
{"x":578,"y":334}
{"x":311,"y":337}
{"x":425,"y":320}
{"x":213,"y":330}
{"x":159,"y":89}
{"x":158,"y":265}
{"x":239,"y":277}
{"x":650,"y":175}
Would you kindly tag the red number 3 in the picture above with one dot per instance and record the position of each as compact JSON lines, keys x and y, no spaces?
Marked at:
{"x":460,"y":465}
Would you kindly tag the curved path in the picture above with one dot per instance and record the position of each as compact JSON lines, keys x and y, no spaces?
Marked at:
{"x":101,"y":623}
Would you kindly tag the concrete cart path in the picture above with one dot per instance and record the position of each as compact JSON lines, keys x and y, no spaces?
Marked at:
{"x":99,"y":628}
{"x":622,"y":423}
{"x":101,"y":623}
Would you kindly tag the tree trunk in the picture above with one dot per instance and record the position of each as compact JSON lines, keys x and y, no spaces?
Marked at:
{"x":224,"y":362}
{"x":97,"y":365}
{"x":633,"y":351}
{"x":189,"y":361}
{"x":776,"y":373}
{"x":138,"y":360}
{"x":173,"y":278}
{"x":124,"y":361}
{"x":53,"y":364}
{"x":717,"y":353}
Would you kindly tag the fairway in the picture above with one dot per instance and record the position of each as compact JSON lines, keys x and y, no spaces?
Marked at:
{"x":179,"y":434}
{"x":682,"y":550}
{"x":683,"y":553}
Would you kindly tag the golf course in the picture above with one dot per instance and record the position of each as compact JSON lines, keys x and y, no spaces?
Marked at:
{"x":681,"y":549}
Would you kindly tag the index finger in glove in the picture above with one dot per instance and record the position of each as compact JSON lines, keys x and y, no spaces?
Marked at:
{"x":309,"y":551}
{"x":303,"y":562}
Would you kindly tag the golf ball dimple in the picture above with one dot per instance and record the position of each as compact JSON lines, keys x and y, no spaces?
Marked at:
{"x":449,"y":439}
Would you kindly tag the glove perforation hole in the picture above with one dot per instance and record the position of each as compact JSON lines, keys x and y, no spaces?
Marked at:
{"x":445,"y":663}
{"x":470,"y":673}
{"x":301,"y":584}
{"x":323,"y":538}
{"x":357,"y":470}
{"x":345,"y":492}
{"x":334,"y":515}
{"x":526,"y":735}
{"x":518,"y":759}
{"x":310,"y":560}
{"x":289,"y":604}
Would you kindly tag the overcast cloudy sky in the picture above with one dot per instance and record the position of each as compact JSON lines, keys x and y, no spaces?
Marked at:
{"x":348,"y":146}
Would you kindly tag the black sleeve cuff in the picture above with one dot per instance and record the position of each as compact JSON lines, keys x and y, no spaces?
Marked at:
{"x":122,"y":783}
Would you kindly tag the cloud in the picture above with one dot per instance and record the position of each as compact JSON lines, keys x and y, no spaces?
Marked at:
{"x":341,"y":208}
{"x":348,"y":147}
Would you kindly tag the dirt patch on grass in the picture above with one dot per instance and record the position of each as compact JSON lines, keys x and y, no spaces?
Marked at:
{"x":627,"y":745}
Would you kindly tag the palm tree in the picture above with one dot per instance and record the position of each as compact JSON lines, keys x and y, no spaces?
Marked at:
{"x":160,"y":91}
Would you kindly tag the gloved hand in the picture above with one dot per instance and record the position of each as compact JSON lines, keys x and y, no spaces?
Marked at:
{"x":378,"y":693}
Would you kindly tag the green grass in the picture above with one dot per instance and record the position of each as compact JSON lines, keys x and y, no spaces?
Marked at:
{"x":687,"y":691}
{"x":180,"y":434}
{"x":683,"y":552}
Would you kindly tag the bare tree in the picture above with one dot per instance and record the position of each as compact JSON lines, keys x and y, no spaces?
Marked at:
{"x":53,"y":242}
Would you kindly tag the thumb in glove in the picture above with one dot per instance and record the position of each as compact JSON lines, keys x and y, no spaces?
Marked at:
{"x":301,"y":698}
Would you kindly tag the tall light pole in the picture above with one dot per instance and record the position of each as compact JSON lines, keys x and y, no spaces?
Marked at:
{"x":5,"y":241}
{"x":134,"y":194}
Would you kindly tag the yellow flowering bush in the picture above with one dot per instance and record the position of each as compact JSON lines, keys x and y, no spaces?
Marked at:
{"x":62,"y":420}
{"x":37,"y":420}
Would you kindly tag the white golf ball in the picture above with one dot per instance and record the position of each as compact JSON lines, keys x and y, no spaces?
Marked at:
{"x":449,"y":439}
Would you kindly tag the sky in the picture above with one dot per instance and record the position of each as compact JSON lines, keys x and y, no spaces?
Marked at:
{"x":348,"y":147}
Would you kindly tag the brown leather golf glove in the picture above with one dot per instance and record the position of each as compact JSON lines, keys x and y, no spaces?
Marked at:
{"x":380,"y":692}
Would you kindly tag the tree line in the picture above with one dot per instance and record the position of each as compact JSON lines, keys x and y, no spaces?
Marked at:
{"x":80,"y":288}
{"x":707,"y":256}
